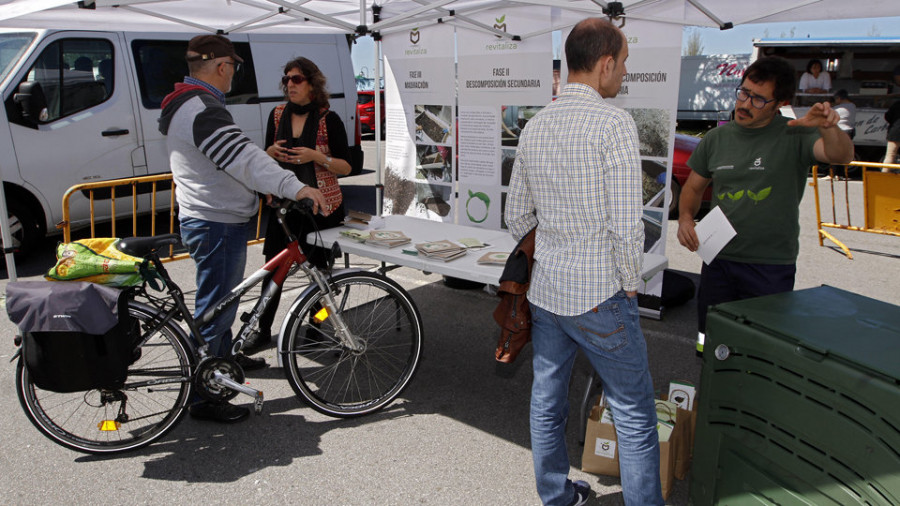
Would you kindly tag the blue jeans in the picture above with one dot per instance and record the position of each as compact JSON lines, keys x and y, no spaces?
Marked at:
{"x":219,"y":251}
{"x":611,"y":338}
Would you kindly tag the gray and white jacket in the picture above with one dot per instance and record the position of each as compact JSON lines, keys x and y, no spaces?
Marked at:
{"x":217,"y":169}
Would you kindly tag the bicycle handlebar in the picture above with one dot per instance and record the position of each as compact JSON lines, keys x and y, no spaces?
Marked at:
{"x":284,"y":205}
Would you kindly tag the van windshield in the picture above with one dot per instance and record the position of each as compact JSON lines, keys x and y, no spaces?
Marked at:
{"x":12,"y":47}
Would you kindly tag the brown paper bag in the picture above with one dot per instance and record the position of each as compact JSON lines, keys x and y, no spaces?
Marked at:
{"x":601,"y":452}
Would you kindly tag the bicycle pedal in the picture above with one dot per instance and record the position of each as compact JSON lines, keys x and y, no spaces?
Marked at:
{"x":258,"y":403}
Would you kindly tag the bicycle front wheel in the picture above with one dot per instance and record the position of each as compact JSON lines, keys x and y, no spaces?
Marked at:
{"x":151,"y":402}
{"x":336,"y":380}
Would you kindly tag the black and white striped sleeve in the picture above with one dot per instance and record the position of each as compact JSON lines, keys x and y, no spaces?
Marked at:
{"x":216,"y":135}
{"x":225,"y":145}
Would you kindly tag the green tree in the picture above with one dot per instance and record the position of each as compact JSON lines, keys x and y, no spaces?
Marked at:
{"x":693,"y":45}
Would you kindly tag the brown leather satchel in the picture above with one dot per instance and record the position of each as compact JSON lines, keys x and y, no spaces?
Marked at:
{"x":512,"y":313}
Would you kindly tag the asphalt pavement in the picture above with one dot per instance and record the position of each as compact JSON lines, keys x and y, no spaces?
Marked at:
{"x":457,"y":436}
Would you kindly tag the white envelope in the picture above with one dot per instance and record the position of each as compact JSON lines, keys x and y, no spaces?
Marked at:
{"x":714,"y":231}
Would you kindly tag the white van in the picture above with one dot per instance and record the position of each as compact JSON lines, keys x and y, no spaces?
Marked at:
{"x":101,"y":94}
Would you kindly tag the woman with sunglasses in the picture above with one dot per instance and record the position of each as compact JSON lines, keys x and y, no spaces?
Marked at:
{"x":305,"y":137}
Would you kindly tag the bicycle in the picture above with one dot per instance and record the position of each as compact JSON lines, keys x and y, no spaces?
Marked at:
{"x":350,"y":344}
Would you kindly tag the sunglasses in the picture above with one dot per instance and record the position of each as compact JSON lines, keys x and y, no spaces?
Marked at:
{"x":296,"y":79}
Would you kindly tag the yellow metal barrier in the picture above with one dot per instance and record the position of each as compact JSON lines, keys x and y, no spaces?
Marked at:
{"x":880,"y":207}
{"x":133,"y":182}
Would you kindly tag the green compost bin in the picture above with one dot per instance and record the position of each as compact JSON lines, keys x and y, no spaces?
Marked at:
{"x":799,"y":402}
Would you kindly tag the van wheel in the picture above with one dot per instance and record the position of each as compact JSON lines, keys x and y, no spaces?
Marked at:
{"x":23,"y":228}
{"x":675,"y":189}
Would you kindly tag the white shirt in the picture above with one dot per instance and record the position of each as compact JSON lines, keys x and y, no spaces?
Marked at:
{"x":807,"y":81}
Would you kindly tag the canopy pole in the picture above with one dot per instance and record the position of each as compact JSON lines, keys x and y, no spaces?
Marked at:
{"x":708,"y":13}
{"x":379,"y":184}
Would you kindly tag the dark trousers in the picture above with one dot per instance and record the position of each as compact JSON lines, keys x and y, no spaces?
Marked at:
{"x":726,"y":281}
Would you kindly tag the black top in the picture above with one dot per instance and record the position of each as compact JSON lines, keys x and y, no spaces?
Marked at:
{"x":337,"y":140}
{"x":306,"y":172}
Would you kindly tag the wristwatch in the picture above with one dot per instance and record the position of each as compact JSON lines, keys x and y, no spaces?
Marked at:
{"x":327,"y":163}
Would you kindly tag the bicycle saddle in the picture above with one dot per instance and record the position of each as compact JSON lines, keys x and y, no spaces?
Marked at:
{"x":141,"y":246}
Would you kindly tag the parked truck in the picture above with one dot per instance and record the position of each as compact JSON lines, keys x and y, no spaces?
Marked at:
{"x":863,"y":66}
{"x":706,"y":89}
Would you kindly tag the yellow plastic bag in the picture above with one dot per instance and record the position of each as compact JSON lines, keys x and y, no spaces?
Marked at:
{"x":97,"y":261}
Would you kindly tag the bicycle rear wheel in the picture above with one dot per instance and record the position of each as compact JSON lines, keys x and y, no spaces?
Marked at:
{"x":152,"y":401}
{"x":335,"y":380}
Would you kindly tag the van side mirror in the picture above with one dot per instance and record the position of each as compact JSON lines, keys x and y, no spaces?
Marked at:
{"x":32,"y":102}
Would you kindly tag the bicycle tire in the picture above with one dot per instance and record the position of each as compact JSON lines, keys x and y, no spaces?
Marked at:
{"x":155,"y":398}
{"x":335,"y":380}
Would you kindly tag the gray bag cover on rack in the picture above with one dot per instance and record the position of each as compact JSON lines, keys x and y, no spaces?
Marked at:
{"x":54,"y":306}
{"x":76,"y":336}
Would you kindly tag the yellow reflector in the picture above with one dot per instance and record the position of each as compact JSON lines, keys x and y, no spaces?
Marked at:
{"x":108,"y":425}
{"x":321,"y":316}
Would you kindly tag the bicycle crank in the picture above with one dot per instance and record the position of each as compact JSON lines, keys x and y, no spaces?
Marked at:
{"x":221,"y":379}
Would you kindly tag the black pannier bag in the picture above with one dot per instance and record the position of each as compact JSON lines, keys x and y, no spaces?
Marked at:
{"x":76,"y":336}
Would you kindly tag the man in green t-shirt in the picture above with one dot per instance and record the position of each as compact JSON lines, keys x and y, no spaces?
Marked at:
{"x":758,"y":165}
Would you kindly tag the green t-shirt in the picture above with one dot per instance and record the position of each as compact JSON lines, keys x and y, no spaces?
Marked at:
{"x":758,"y":177}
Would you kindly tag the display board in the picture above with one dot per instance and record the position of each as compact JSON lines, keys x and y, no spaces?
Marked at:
{"x":499,"y":83}
{"x":502,"y":84}
{"x":419,"y":108}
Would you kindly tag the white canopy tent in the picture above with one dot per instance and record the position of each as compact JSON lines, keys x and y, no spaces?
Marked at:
{"x":375,"y":18}
{"x":358,"y":16}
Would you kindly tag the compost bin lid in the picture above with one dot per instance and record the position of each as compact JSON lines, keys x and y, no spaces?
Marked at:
{"x":831,"y":321}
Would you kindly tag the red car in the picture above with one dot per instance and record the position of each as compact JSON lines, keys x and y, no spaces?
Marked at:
{"x":684,"y":146}
{"x":365,"y":109}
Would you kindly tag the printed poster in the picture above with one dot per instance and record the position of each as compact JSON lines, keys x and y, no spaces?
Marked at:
{"x":502,"y":84}
{"x":419,"y":98}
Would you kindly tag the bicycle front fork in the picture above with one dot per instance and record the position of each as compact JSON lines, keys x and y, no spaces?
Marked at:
{"x":350,"y":340}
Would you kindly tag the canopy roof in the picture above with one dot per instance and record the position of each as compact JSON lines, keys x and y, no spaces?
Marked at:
{"x":359,"y":16}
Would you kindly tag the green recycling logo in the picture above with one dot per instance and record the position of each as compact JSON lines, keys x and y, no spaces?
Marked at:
{"x":477,"y":197}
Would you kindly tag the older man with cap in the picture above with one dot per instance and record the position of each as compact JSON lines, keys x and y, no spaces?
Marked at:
{"x":218,"y":171}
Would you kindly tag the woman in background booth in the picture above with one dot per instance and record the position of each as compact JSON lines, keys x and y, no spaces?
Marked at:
{"x":309,"y":140}
{"x":814,"y":80}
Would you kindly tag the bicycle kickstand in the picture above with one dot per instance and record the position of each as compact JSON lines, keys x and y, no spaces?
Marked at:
{"x":227,"y":382}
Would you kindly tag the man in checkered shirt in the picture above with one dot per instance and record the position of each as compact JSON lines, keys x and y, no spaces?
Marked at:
{"x":577,"y":177}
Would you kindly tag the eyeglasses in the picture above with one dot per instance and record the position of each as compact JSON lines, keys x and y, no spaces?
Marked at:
{"x":757,"y":101}
{"x":237,"y":65}
{"x":296,"y":79}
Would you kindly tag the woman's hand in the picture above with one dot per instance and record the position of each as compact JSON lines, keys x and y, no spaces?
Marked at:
{"x":278,"y":151}
{"x":305,"y":155}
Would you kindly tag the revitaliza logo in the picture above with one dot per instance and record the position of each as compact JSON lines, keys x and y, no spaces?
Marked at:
{"x":500,"y":24}
{"x":503,"y":45}
{"x":415,"y":50}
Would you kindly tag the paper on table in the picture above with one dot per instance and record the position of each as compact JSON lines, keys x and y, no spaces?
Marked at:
{"x":713,"y":231}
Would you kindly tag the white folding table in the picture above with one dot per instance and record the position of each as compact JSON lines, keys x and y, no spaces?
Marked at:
{"x":466,"y":267}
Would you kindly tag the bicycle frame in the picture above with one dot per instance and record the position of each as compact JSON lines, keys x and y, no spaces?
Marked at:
{"x":286,"y":263}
